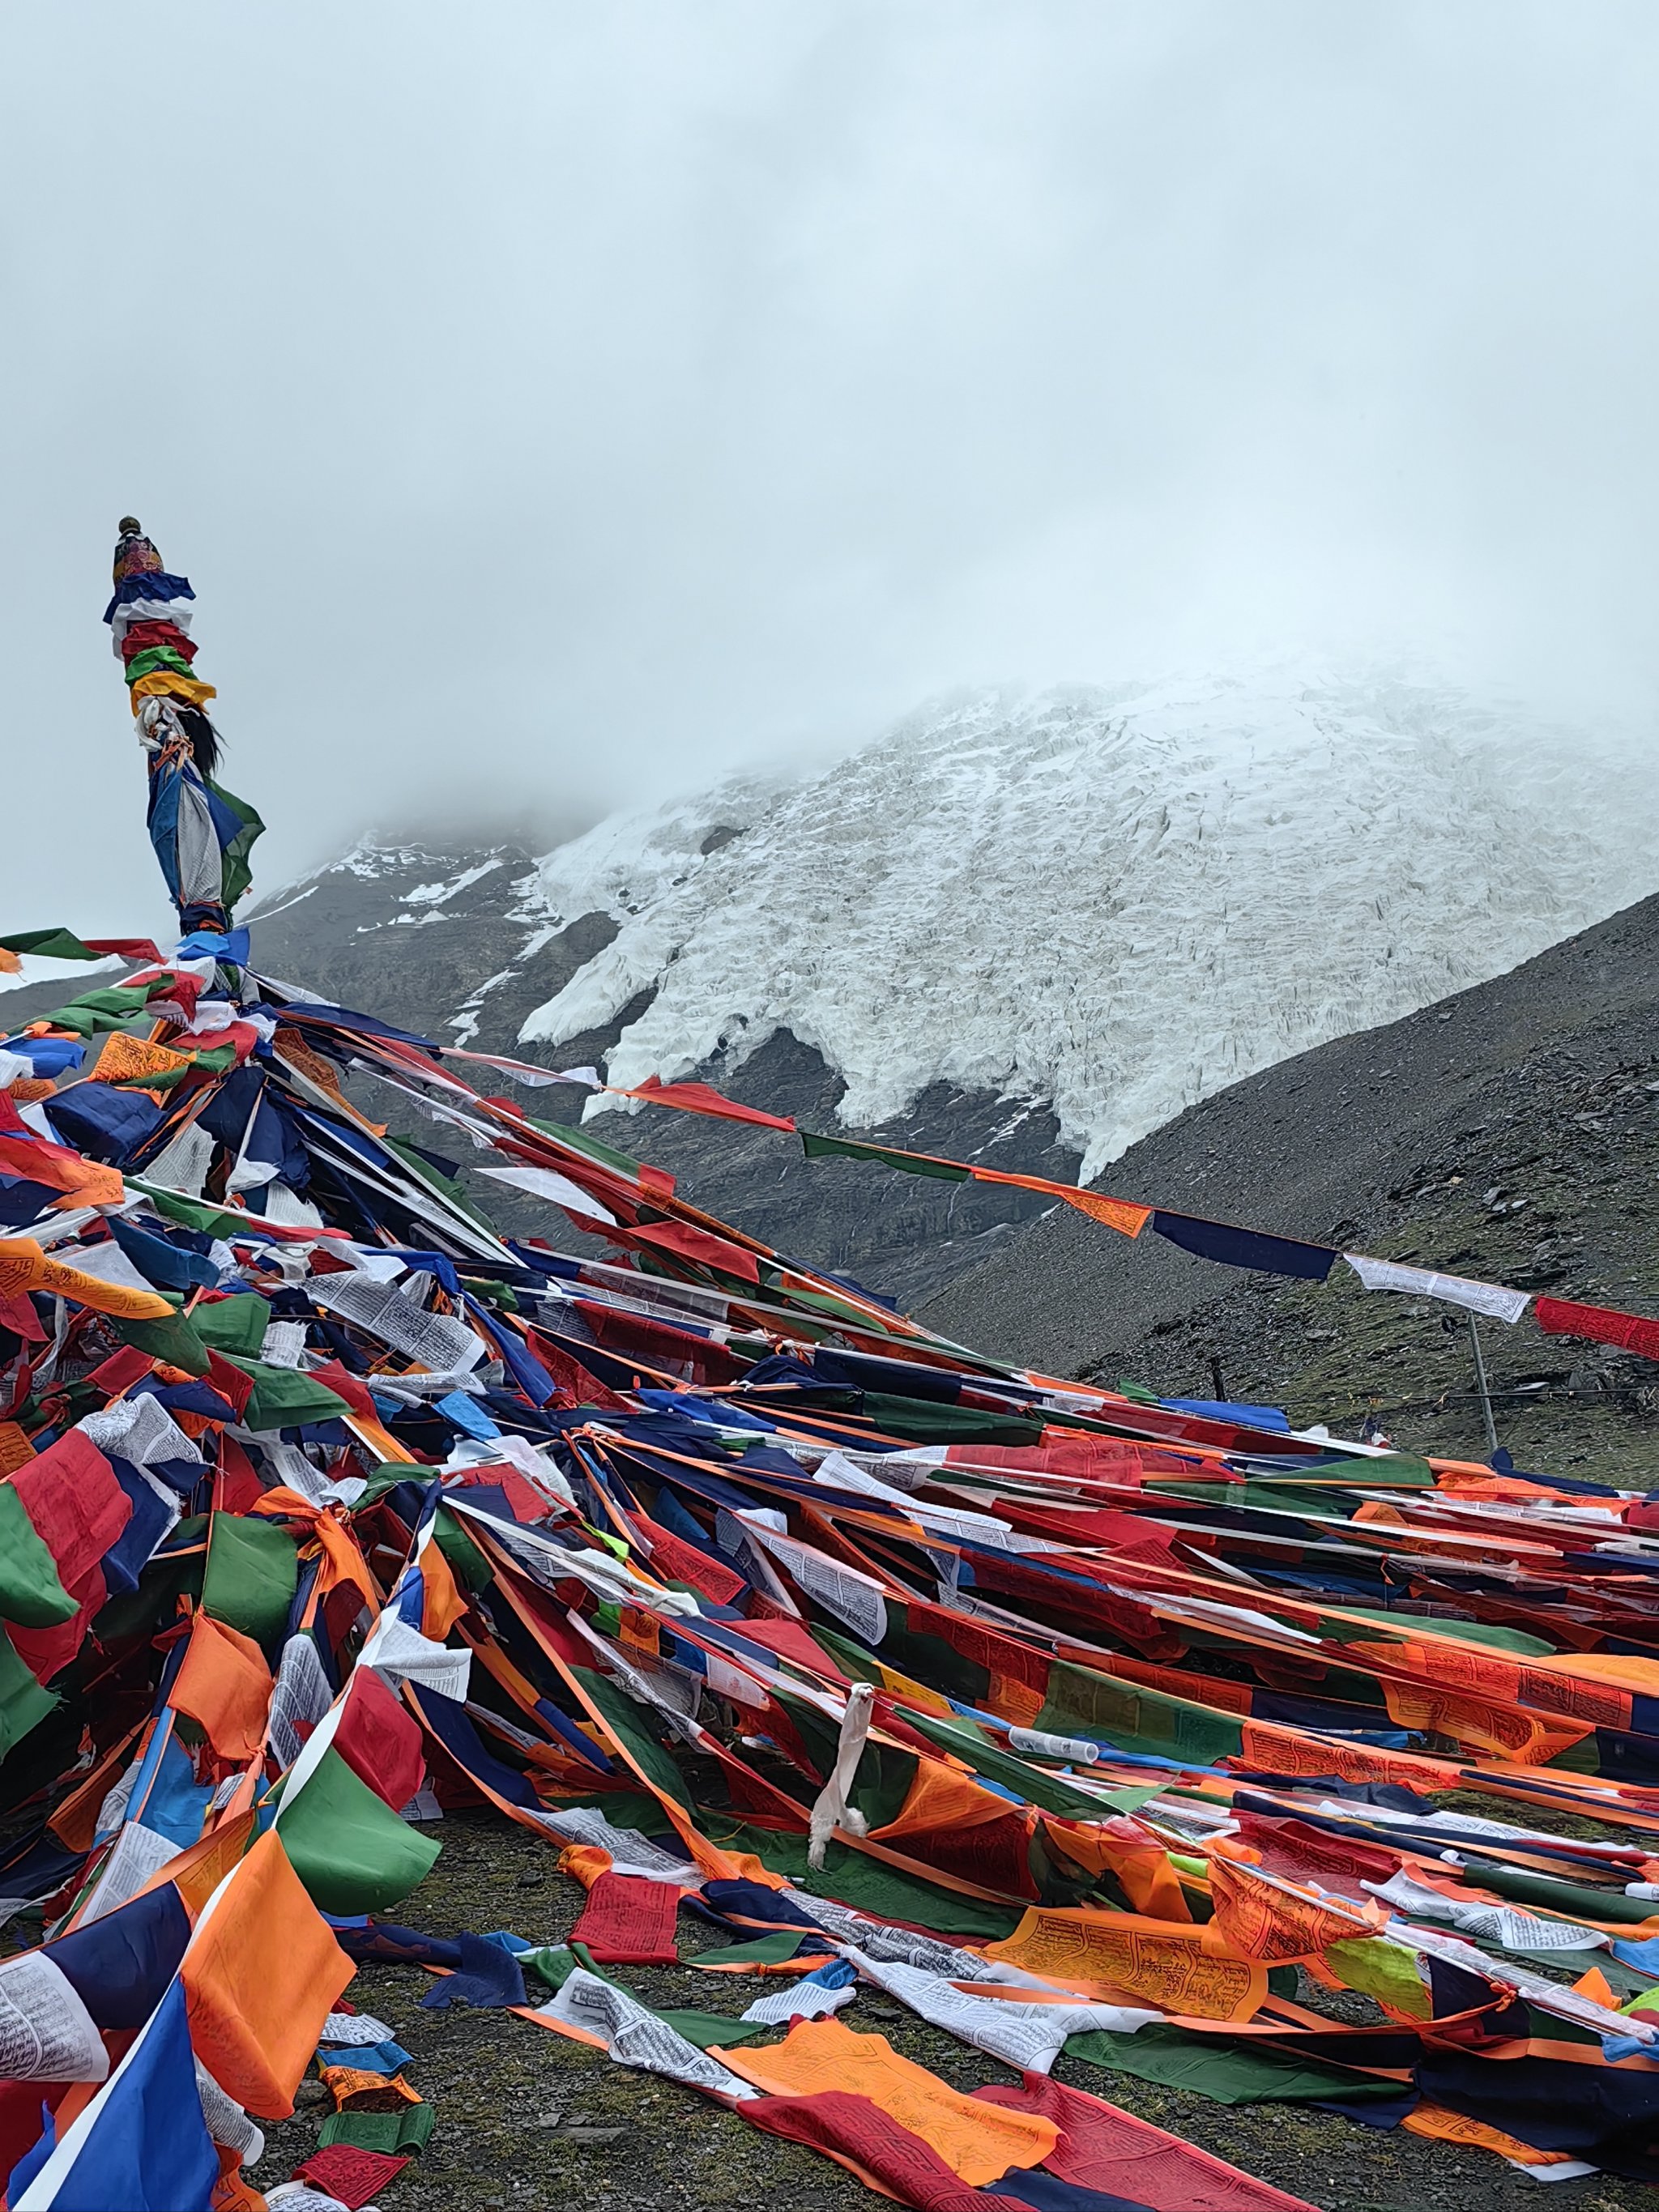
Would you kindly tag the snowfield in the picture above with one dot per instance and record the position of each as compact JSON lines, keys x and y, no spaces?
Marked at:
{"x":1113,"y":903}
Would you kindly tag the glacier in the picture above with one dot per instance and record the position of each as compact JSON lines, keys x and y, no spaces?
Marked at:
{"x":1111,"y":902}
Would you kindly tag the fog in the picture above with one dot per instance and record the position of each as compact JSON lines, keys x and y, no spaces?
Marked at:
{"x":551,"y":402}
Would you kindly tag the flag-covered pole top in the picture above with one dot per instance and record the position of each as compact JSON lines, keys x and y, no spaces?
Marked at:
{"x":201,"y":833}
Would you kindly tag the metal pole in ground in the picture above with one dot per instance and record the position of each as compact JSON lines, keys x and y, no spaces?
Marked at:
{"x":1482,"y":1386}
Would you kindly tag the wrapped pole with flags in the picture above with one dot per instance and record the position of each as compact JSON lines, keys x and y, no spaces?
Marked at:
{"x":202,"y":833}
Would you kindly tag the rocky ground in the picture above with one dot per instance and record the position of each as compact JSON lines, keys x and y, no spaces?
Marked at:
{"x":523,"y":2116}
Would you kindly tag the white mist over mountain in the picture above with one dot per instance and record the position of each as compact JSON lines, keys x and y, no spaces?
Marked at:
{"x":1115,"y":902}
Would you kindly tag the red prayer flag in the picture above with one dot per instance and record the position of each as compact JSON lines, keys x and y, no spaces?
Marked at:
{"x":380,"y":1740}
{"x":1601,"y":1324}
{"x":125,"y":948}
{"x":629,"y":1921}
{"x":695,"y":1244}
{"x":78,"y":1508}
{"x":1105,"y":2149}
{"x":700,"y":1098}
{"x":348,"y":2174}
{"x":47,"y":1651}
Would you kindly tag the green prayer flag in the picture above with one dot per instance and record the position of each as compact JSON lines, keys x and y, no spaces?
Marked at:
{"x":1081,"y":1701}
{"x":1379,"y":1968}
{"x":95,"y":1012}
{"x":820,"y":1148}
{"x":1346,"y":1628}
{"x":554,"y":1963}
{"x":627,"y":1722}
{"x":1050,"y":1791}
{"x":868,"y":1884}
{"x":925,"y":1421}
{"x":236,"y":874}
{"x":1179,"y":2059}
{"x":565,"y":1133}
{"x":767,"y":1951}
{"x":285,"y":1398}
{"x":190,"y":1212}
{"x":252,"y":1571}
{"x":435,"y":1179}
{"x":713,"y":2031}
{"x":388,"y":1475}
{"x":154,"y":657}
{"x":885,"y":1771}
{"x":174,"y":1341}
{"x":394,"y":2133}
{"x":233,"y":1324}
{"x":49,"y":945}
{"x":1567,"y":1900}
{"x":157,"y":657}
{"x":466,"y":1562}
{"x":1393,"y":1471}
{"x":32,"y":1592}
{"x":23,"y":1703}
{"x":349,"y":1849}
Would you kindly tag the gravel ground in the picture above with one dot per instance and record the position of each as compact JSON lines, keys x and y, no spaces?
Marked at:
{"x":511,"y":2097}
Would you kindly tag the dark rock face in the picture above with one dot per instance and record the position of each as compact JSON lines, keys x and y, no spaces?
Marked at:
{"x":900,"y":1235}
{"x":361,"y":933}
{"x":1510,"y":1134}
{"x":380,"y":931}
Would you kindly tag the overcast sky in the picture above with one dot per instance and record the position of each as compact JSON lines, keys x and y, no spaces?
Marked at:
{"x":553,"y":402}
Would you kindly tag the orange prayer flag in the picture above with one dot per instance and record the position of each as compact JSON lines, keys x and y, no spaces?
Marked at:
{"x":585,"y":1862}
{"x":128,"y":1059}
{"x":1124,"y":1214}
{"x":75,"y":1819}
{"x":343,"y":1560}
{"x":224,"y":1685}
{"x":15,"y":1449}
{"x":1594,"y":1984}
{"x":202,"y":1866}
{"x":1117,"y":1954}
{"x":233,"y":2192}
{"x":823,"y":2054}
{"x":25,"y":1267}
{"x":1142,"y":1867}
{"x":442,"y":1602}
{"x":1260,"y":1919}
{"x":261,"y":1976}
{"x":1443,"y":2126}
{"x":942,"y":1800}
{"x":367,"y":2092}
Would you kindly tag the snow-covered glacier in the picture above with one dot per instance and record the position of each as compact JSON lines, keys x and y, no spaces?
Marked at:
{"x":1111,"y":902}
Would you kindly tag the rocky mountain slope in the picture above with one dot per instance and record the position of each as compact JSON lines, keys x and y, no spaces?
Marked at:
{"x":1510,"y":1132}
{"x":460,"y":946}
{"x":1014,"y":930}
